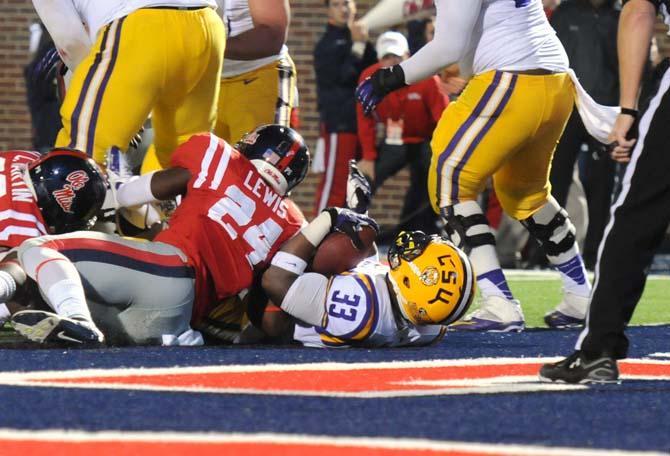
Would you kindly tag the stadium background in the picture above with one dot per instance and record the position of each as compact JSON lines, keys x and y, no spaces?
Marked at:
{"x":307,"y":24}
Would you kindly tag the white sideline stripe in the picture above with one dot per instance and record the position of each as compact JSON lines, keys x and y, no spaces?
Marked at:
{"x":520,"y":274}
{"x":535,"y":387}
{"x":325,"y":366}
{"x":63,"y":435}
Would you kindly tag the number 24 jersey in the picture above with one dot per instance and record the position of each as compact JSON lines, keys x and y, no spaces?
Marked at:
{"x":230,"y":223}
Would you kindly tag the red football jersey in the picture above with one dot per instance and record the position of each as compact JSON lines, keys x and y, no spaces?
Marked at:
{"x":20,"y":218}
{"x":230,"y":223}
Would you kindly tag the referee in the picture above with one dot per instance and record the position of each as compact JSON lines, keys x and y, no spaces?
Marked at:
{"x":639,"y":217}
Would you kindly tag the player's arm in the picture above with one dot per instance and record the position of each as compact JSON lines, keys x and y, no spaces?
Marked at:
{"x":66,"y":29}
{"x":285,"y":282}
{"x":636,"y":28}
{"x":153,"y":187}
{"x":271,"y":19}
{"x":12,"y":283}
{"x":302,"y":295}
{"x":367,"y":137}
{"x":454,"y":25}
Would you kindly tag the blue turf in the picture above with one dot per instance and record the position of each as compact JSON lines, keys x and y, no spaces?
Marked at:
{"x":456,"y":345}
{"x":631,"y":416}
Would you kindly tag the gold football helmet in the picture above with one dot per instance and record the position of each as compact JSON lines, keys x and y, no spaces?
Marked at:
{"x":432,"y":278}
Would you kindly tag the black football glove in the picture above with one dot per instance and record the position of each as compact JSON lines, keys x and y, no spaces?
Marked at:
{"x":50,"y":65}
{"x":374,"y":88}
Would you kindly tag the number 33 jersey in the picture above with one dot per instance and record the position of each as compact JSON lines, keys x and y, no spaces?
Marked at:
{"x":359,"y":313}
{"x":230,"y":223}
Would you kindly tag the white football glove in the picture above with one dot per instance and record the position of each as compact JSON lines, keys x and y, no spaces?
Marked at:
{"x":359,"y":190}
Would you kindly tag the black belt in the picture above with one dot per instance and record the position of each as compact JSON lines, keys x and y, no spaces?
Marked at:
{"x":181,"y":8}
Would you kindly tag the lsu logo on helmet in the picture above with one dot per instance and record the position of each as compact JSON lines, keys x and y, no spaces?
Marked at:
{"x":432,"y":278}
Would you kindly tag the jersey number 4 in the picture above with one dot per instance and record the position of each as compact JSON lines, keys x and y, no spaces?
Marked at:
{"x":241,"y":208}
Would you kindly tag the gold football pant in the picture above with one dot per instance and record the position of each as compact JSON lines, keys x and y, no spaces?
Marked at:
{"x":163,"y":60}
{"x":503,"y":125}
{"x":258,"y":97}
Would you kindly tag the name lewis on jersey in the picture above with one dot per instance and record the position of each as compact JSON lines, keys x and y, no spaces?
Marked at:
{"x":65,"y":196}
{"x":256,"y":185}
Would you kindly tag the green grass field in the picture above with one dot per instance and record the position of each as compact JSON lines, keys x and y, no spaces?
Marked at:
{"x":539,"y":292}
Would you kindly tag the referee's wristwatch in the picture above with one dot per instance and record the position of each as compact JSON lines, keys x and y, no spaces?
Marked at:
{"x":630,"y":112}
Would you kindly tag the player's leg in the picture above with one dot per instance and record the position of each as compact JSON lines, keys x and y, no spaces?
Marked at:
{"x":523,"y":188}
{"x":155,"y":303}
{"x":638,"y":222}
{"x":227,"y":97}
{"x":113,"y":89}
{"x":474,"y":137}
{"x":61,"y":286}
{"x":339,"y":149}
{"x":193,"y":71}
{"x":417,"y":212}
{"x":136,"y":292}
{"x":258,"y":97}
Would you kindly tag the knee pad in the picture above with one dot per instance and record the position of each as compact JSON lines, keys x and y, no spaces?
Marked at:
{"x":467,"y":226}
{"x":29,"y":253}
{"x":552,"y":227}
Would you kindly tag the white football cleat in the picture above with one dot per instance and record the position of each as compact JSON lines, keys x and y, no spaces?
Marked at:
{"x":495,"y":314}
{"x":569,"y":313}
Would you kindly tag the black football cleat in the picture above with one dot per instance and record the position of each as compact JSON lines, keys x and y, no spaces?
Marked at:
{"x":576,"y":368}
{"x":46,"y":327}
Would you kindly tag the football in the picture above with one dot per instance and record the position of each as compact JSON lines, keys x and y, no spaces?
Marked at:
{"x":337,"y":252}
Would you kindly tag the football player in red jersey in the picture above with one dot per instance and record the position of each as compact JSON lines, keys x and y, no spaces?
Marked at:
{"x":45,"y":194}
{"x":232,"y":219}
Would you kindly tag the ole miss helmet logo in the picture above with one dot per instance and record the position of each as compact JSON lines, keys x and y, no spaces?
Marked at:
{"x":65,"y":196}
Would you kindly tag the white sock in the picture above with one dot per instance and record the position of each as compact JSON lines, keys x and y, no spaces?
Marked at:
{"x":58,"y":280}
{"x":568,"y":262}
{"x":4,"y":313}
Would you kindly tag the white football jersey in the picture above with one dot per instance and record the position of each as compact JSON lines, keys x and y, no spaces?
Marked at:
{"x":95,"y":13}
{"x":515,"y":35}
{"x":359,"y":313}
{"x":237,"y":17}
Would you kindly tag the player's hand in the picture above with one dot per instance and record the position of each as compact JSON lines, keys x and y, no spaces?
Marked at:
{"x":359,"y":190}
{"x":359,"y":31}
{"x":620,"y":146}
{"x":451,"y":82}
{"x":454,"y":85}
{"x":136,"y":140}
{"x":49,"y":66}
{"x":373,"y":89}
{"x":350,"y":223}
{"x":139,"y":221}
{"x":366,"y":96}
